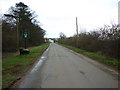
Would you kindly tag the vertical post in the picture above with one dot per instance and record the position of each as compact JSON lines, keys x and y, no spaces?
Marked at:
{"x":25,"y":43}
{"x":25,"y":38}
{"x":1,"y":54}
{"x":17,"y":34}
{"x":77,"y":27}
{"x":119,"y":12}
{"x":77,"y":32}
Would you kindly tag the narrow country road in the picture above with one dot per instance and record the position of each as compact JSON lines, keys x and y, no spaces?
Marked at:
{"x":60,"y":67}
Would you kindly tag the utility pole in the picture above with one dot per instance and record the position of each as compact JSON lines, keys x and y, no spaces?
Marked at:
{"x":119,"y":12}
{"x":77,"y":32}
{"x":77,"y":27}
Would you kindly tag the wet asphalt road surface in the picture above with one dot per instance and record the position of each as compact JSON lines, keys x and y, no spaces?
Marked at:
{"x":60,"y":67}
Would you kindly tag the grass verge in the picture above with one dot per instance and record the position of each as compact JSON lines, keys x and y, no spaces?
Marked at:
{"x":100,"y":58}
{"x":15,"y":66}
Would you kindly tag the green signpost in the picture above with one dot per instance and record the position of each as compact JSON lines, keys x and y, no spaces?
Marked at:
{"x":25,"y":35}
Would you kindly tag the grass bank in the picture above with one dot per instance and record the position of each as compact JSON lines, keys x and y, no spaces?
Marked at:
{"x":14,"y":67}
{"x":100,"y":58}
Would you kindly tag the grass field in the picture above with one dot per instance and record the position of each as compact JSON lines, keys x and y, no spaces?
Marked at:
{"x":100,"y":58}
{"x":15,"y":66}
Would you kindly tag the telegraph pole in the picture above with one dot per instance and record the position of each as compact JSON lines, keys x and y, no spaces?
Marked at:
{"x":119,"y":13}
{"x":77,"y":32}
{"x":77,"y":27}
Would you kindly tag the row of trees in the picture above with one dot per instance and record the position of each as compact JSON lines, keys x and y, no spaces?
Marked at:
{"x":104,"y":41}
{"x":27,"y":23}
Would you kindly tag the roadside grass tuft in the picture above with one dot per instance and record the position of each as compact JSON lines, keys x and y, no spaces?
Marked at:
{"x":8,"y":79}
{"x":15,"y":66}
{"x":98,"y":57}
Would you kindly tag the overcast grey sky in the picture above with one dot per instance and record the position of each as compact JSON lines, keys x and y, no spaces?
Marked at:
{"x":59,"y":15}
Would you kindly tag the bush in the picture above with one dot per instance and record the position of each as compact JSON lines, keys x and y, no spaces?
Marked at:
{"x":105,"y":41}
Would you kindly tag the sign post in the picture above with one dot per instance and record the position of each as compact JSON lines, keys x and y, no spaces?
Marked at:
{"x":25,"y":34}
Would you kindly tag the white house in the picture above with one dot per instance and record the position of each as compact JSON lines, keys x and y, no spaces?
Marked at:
{"x":51,"y":41}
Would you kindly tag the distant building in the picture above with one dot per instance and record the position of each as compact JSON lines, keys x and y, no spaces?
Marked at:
{"x":119,"y":12}
{"x":51,"y":41}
